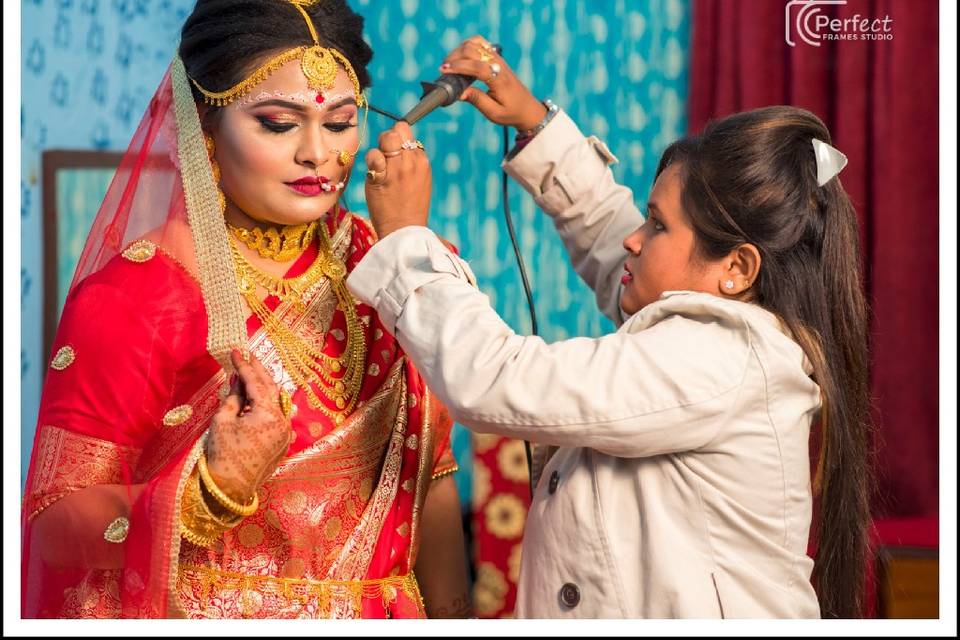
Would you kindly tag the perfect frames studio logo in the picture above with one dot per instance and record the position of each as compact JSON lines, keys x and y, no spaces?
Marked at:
{"x":806,"y":21}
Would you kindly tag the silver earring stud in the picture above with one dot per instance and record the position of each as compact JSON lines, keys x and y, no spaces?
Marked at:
{"x":728,"y":284}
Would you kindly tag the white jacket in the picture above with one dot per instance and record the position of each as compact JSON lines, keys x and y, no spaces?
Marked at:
{"x":680,"y":482}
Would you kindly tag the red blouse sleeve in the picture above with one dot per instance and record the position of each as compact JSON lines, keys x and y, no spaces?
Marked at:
{"x":110,"y":375}
{"x":444,"y":463}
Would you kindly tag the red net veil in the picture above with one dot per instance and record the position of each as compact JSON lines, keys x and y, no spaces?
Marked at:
{"x":164,"y":191}
{"x":107,"y":541}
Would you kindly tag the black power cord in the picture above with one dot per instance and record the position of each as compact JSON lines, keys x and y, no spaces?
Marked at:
{"x":513,"y":236}
{"x":523,"y":277}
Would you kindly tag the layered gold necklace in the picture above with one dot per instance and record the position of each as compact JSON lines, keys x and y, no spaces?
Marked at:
{"x":306,"y":363}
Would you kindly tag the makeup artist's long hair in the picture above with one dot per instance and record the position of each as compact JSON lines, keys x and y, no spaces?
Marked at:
{"x":752,"y":178}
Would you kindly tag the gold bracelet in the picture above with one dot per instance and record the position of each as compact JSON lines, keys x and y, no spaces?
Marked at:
{"x":225,"y":501}
{"x":198,"y":524}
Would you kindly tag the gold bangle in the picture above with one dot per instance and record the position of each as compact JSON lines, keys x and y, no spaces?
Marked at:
{"x":225,"y":501}
{"x":195,"y":538}
{"x":198,"y":524}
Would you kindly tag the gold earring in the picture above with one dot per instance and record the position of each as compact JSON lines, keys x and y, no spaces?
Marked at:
{"x":215,"y":168}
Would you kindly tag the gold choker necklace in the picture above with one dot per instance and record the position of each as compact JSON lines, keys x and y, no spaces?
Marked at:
{"x":280,"y":245}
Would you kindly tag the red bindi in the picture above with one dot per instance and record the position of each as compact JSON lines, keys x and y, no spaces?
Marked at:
{"x":319,"y":98}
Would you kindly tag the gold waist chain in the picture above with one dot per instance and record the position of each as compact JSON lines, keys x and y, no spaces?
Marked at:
{"x":213,"y":582}
{"x":304,"y":362}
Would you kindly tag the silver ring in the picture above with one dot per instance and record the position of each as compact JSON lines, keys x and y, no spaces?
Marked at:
{"x":495,"y":69}
{"x":390,"y":154}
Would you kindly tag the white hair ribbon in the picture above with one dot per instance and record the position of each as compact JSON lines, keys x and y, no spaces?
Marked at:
{"x":829,"y":161}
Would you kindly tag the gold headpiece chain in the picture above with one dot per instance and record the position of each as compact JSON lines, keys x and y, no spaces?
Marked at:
{"x":319,"y":65}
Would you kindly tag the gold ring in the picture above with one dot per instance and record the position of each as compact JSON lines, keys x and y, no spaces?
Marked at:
{"x":286,"y":403}
{"x":419,"y":145}
{"x":375,"y":175}
{"x":484,"y":56}
{"x":486,"y":45}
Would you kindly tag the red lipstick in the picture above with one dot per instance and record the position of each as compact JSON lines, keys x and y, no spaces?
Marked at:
{"x":310,"y":185}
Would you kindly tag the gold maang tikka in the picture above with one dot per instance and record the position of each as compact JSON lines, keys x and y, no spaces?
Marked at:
{"x":319,"y":65}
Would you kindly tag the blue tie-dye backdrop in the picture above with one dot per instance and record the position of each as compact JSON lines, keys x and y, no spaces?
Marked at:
{"x":618,"y":67}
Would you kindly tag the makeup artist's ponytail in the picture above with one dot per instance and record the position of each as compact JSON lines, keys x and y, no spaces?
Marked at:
{"x":752,"y":178}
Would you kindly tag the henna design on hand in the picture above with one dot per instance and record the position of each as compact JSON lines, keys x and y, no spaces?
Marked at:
{"x":249,"y":435}
{"x":461,"y":607}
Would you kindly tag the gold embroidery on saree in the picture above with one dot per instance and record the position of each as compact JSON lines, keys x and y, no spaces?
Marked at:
{"x":64,"y":358}
{"x":214,"y":593}
{"x":97,"y":595}
{"x":174,"y":603}
{"x":366,"y":224}
{"x":423,"y":473}
{"x":116,"y":532}
{"x":356,"y":554}
{"x":355,"y":446}
{"x":67,"y":461}
{"x":318,"y":505}
{"x":177,"y":415}
{"x":140,"y":251}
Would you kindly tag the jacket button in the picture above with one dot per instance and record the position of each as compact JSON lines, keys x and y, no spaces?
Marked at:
{"x":570,"y":595}
{"x":554,"y":481}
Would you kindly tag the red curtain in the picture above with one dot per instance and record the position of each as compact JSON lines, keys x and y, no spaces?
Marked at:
{"x":501,"y":499}
{"x":880,"y":102}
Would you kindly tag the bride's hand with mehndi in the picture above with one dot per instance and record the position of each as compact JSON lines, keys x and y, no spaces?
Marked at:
{"x":250,"y":432}
{"x":398,"y":181}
